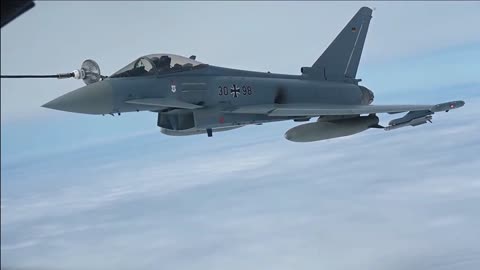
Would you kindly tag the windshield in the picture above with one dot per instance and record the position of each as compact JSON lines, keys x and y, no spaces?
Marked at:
{"x":157,"y":64}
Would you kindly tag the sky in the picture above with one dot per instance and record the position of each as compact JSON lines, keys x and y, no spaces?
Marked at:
{"x":82,"y":191}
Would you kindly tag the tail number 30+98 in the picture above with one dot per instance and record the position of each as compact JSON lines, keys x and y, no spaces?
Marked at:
{"x":235,"y":91}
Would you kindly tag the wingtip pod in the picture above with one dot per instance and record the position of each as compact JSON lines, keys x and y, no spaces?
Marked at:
{"x":448,"y":106}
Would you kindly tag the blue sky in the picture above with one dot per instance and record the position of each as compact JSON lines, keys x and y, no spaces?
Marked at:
{"x":82,"y":191}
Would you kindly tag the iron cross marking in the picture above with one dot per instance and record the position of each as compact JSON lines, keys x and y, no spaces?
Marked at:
{"x":235,"y":91}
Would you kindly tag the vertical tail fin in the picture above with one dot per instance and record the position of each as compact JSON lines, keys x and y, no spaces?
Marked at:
{"x":340,"y":60}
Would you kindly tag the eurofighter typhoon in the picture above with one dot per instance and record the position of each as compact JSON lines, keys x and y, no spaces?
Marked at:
{"x":191,"y":97}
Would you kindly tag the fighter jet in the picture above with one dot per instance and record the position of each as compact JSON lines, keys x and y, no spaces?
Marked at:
{"x":191,"y":97}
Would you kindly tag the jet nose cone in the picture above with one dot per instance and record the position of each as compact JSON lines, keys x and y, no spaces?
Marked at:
{"x":95,"y":98}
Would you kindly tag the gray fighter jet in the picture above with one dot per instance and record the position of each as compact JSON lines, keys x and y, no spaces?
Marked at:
{"x":194,"y":98}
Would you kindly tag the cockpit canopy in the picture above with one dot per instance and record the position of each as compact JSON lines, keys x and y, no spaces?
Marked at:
{"x":154,"y":64}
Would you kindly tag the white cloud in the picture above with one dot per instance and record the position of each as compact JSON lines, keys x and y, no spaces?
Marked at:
{"x":20,"y":245}
{"x":392,"y":200}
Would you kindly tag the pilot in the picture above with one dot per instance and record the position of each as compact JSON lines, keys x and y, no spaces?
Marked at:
{"x":163,"y":63}
{"x":155,"y":61}
{"x":177,"y":67}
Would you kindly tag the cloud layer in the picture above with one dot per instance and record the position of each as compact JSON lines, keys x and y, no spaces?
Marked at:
{"x":82,"y":192}
{"x":396,"y":200}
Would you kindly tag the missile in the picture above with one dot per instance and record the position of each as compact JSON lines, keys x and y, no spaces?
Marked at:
{"x":414,"y":122}
{"x":318,"y":131}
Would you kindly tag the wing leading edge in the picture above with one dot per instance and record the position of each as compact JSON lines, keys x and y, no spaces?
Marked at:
{"x":299,"y":110}
{"x":417,"y":114}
